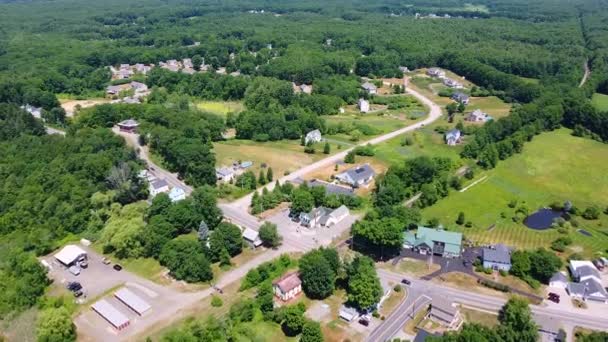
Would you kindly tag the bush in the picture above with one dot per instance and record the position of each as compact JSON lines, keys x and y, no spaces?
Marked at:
{"x":503,"y":273}
{"x":469,"y":224}
{"x":494,"y":285}
{"x":487,"y":270}
{"x":591,"y":213}
{"x":216,"y":301}
{"x":397,"y":288}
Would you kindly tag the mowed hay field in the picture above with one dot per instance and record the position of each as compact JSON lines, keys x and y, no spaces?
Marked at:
{"x":555,"y":166}
{"x":281,"y":156}
{"x":600,"y":101}
{"x":221,"y":108}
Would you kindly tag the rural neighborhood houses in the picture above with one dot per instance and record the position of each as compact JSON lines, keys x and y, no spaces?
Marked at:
{"x":313,"y":137}
{"x":370,"y":88}
{"x":435,"y":72}
{"x":497,"y":257}
{"x":332,"y":189}
{"x":461,"y":98}
{"x":587,"y":283}
{"x":363,"y":105}
{"x":357,"y":176}
{"x":478,"y":116}
{"x":288,"y":286}
{"x":452,"y":83}
{"x":444,"y":312}
{"x":452,"y":137}
{"x":436,"y":241}
{"x":323,"y":217}
{"x":158,"y":186}
{"x":128,"y":126}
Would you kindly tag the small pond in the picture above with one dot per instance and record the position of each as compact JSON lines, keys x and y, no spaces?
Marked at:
{"x":542,"y":219}
{"x":584,"y":232}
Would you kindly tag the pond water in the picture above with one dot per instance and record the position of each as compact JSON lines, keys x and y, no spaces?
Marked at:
{"x":584,"y":232}
{"x":542,"y":219}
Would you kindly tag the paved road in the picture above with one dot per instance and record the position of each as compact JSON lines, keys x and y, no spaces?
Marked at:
{"x":425,"y":288}
{"x":51,"y":130}
{"x":434,"y":114}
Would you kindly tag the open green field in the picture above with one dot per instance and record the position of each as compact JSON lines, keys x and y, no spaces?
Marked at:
{"x":221,"y":108}
{"x":600,"y":101}
{"x":529,"y":80}
{"x":283,"y":156}
{"x":492,"y":105}
{"x":425,"y":142}
{"x":555,"y":166}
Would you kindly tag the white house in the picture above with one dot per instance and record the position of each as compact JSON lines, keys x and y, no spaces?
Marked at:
{"x":252,"y":237}
{"x":452,"y":137}
{"x":363,"y":105}
{"x":35,"y":111}
{"x":323,"y":217}
{"x":224,"y":174}
{"x":478,"y":116}
{"x":452,"y":83}
{"x":582,"y":270}
{"x":313,"y":136}
{"x":435,"y":72}
{"x":587,"y":283}
{"x":177,"y":194}
{"x":370,"y":88}
{"x":158,"y":186}
{"x":357,"y":176}
{"x":70,"y":254}
{"x":288,"y":286}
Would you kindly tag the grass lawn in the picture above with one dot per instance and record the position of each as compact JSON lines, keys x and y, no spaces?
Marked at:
{"x":529,"y":80}
{"x":425,"y":142}
{"x":475,"y":316}
{"x":555,"y":166}
{"x":20,"y":328}
{"x":410,"y":326}
{"x":221,"y":108}
{"x":492,"y":105}
{"x":600,"y":101}
{"x":393,"y":300}
{"x":283,"y":156}
{"x":466,"y":282}
{"x":413,"y":267}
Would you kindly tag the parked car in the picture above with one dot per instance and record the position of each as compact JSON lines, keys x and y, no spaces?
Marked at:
{"x":74,"y":286}
{"x":77,"y":293}
{"x":406,"y":282}
{"x":117,"y":267}
{"x":105,"y":261}
{"x":84,"y":264}
{"x":75,"y":270}
{"x":554,"y":297}
{"x":364,"y":322}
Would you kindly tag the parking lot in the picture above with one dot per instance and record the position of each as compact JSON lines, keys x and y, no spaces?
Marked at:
{"x":302,"y":237}
{"x":100,"y":281}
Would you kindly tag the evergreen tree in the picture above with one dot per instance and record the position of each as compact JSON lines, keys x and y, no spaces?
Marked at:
{"x":311,"y":332}
{"x":326,"y":148}
{"x":261,"y":178}
{"x":350,"y":158}
{"x":460,"y":220}
{"x":269,"y":175}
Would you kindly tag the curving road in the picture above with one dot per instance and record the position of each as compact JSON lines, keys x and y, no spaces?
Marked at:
{"x":242,"y":204}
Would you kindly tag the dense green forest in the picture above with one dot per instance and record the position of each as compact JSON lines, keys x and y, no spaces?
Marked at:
{"x":53,"y":188}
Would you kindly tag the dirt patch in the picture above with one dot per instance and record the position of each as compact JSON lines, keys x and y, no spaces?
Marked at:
{"x":70,"y":105}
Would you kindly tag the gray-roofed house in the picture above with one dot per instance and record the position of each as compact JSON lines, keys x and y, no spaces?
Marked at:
{"x":114,"y":89}
{"x":332,"y":189}
{"x":348,"y":313}
{"x":369,"y":88}
{"x":224,"y":174}
{"x":435,"y":72}
{"x":497,"y":258}
{"x":363,"y":105}
{"x":588,"y":290}
{"x":461,"y":98}
{"x":559,"y":280}
{"x":313,"y":136}
{"x":452,"y":137}
{"x":158,"y":186}
{"x":357,"y":176}
{"x":582,"y":270}
{"x":444,"y":312}
{"x":129,"y":126}
{"x":139,"y":87}
{"x":252,"y":237}
{"x":478,"y":116}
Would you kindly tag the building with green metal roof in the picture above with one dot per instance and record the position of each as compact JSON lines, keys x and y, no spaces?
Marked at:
{"x":434,"y":240}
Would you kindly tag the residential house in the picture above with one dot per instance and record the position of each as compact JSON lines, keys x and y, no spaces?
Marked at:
{"x":363,"y":105}
{"x":332,"y":189}
{"x":435,"y":72}
{"x":187,"y":63}
{"x":288,"y":286}
{"x":357,"y":176}
{"x":252,"y":237}
{"x":452,"y":137}
{"x":452,"y":83}
{"x":114,"y":89}
{"x":313,"y":136}
{"x":434,"y":241}
{"x":587,"y":283}
{"x":559,"y":280}
{"x":177,"y":194}
{"x":306,"y":88}
{"x":444,"y":312}
{"x":142,"y":68}
{"x":370,"y":88}
{"x":139,"y":87}
{"x":497,"y":257}
{"x":129,"y":126}
{"x":478,"y":116}
{"x":35,"y":111}
{"x":224,"y":174}
{"x":348,"y":313}
{"x":461,"y":98}
{"x":404,"y":69}
{"x":70,"y":255}
{"x":323,"y":217}
{"x":158,"y":186}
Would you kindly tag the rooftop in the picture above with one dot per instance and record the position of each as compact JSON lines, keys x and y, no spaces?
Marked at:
{"x":159,"y":183}
{"x":500,"y":254}
{"x":128,"y":123}
{"x":288,"y":282}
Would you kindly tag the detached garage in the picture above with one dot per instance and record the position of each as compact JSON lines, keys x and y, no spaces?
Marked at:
{"x":70,"y":254}
{"x":110,"y":314}
{"x":133,"y":301}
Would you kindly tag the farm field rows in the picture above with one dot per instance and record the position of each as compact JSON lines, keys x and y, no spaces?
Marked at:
{"x":539,"y":176}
